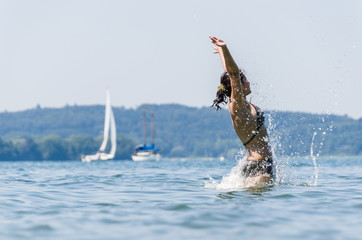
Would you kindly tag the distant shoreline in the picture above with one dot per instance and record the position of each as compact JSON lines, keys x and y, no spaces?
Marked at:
{"x":180,"y":132}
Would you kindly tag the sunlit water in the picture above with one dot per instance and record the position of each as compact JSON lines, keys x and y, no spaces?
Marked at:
{"x":179,"y":199}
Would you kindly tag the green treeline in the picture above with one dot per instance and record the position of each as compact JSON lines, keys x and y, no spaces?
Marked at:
{"x":53,"y":147}
{"x":180,"y":131}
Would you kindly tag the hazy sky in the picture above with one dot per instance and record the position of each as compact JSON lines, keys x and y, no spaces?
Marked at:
{"x":300,"y":55}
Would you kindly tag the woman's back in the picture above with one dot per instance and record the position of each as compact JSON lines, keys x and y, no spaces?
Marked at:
{"x":249,"y":126}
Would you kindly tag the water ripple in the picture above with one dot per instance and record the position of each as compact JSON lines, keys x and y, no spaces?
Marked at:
{"x":41,"y":228}
{"x":284,"y":196}
{"x":169,"y":200}
{"x":178,"y":207}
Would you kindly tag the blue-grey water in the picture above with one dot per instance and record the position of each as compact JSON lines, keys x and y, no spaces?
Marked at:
{"x":179,"y":199}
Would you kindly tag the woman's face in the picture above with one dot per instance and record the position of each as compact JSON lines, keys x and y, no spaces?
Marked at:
{"x":245,"y":85}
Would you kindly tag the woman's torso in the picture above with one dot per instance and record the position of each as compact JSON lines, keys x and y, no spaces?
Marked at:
{"x":249,"y":126}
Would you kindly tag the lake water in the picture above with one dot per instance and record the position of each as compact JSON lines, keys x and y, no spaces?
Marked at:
{"x":179,"y":199}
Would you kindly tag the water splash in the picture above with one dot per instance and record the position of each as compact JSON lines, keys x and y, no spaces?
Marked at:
{"x":314,"y":158}
{"x":274,"y":140}
{"x":286,"y":168}
{"x":282,"y":170}
{"x":234,"y":180}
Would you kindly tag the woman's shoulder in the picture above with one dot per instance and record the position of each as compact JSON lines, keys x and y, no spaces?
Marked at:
{"x":239,"y":107}
{"x":243,"y":115}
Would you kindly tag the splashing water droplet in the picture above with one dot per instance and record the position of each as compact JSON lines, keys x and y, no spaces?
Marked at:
{"x":314,"y":158}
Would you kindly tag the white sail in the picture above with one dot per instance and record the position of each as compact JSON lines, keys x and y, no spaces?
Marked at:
{"x":106,"y":122}
{"x":109,"y":126}
{"x":113,"y":136}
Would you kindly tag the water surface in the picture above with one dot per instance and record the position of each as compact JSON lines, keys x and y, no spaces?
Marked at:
{"x":178,"y":199}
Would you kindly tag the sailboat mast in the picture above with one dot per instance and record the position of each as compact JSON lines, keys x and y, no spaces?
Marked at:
{"x":153,"y":127}
{"x":144,"y":127}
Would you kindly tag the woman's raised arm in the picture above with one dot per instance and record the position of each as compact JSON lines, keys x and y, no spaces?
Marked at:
{"x":229,"y":66}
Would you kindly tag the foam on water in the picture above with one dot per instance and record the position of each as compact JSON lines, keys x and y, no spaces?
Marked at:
{"x":234,"y":180}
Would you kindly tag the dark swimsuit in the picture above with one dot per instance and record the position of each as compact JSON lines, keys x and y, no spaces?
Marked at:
{"x":254,"y":168}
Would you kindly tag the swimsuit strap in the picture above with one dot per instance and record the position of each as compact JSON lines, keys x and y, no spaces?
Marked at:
{"x":260,"y":121}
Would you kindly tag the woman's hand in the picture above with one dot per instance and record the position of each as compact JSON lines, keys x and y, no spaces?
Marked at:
{"x":218,"y":44}
{"x":217,"y":41}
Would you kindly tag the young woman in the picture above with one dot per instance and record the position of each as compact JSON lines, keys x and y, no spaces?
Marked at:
{"x":247,"y":119}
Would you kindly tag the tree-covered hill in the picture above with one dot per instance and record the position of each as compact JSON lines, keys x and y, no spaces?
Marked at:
{"x":181,"y":131}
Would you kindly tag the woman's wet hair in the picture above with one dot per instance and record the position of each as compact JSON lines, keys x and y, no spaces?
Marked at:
{"x":224,"y":90}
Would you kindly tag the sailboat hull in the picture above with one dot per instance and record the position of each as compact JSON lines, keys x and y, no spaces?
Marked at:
{"x":146,"y":156}
{"x":97,"y":156}
{"x":89,"y":158}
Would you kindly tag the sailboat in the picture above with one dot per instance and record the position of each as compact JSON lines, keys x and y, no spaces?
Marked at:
{"x":142,"y":152}
{"x":109,"y":127}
